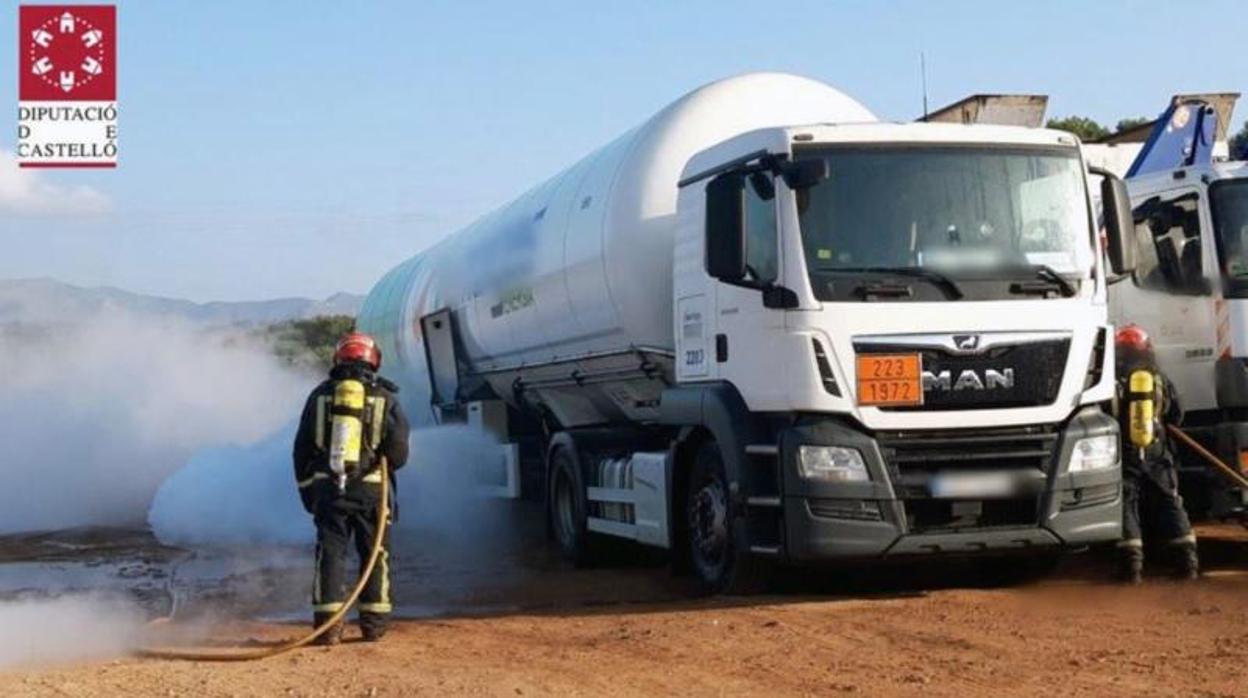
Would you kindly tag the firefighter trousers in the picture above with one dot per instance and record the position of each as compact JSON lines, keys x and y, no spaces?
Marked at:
{"x":344,"y":522}
{"x":1152,"y":506}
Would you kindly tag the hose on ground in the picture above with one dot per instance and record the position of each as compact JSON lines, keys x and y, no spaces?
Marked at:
{"x":245,"y":654}
{"x":1216,"y":462}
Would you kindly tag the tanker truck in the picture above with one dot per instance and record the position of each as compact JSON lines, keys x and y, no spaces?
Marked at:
{"x":765,"y":328}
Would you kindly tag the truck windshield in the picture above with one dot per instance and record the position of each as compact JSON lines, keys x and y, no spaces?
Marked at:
{"x":920,"y":222}
{"x":1229,"y":199}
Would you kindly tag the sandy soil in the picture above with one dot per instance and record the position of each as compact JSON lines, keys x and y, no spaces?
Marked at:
{"x":631,"y":631}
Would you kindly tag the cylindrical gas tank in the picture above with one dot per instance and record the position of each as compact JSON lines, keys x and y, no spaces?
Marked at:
{"x":581,"y":264}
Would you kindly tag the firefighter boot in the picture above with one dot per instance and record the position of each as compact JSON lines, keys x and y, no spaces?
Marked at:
{"x":373,"y":626}
{"x":1130,"y":564}
{"x":330,"y":637}
{"x":1187,"y":562}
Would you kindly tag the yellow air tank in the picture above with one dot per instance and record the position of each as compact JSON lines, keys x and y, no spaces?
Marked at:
{"x":1141,"y":398}
{"x":346,"y":430}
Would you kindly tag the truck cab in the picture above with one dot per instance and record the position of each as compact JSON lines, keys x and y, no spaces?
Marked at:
{"x":909,"y":322}
{"x":1190,"y":292}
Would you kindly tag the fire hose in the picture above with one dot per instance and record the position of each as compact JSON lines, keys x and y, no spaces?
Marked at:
{"x":1213,"y":460}
{"x":244,"y":654}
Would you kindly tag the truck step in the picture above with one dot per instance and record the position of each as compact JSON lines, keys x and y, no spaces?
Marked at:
{"x":773,"y":550}
{"x":762,"y":450}
{"x":763,"y":501}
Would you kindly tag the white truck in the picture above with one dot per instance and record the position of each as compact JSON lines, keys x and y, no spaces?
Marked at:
{"x":764,"y":327}
{"x":1190,"y":286}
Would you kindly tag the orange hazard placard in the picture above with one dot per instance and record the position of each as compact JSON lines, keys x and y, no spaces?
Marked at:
{"x":890,"y":379}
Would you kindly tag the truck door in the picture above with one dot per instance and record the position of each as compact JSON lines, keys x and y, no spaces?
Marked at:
{"x":742,"y":351}
{"x":1172,"y":293}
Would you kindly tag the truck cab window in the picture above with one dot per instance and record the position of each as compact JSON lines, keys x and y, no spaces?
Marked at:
{"x":762,"y":241}
{"x":1229,"y":199}
{"x":986,"y":218}
{"x":1169,"y":246}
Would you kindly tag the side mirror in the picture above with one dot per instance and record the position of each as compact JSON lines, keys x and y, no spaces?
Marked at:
{"x":1119,"y":225}
{"x":725,"y":227}
{"x":804,"y":174}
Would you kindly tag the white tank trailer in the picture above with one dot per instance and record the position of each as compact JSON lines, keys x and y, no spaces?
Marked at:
{"x":763,"y":327}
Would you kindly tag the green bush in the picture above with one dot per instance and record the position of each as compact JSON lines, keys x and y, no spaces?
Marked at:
{"x":308,"y":343}
{"x":1087,"y":129}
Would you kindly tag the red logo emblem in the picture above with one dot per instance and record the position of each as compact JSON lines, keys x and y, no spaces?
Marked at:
{"x":68,"y":52}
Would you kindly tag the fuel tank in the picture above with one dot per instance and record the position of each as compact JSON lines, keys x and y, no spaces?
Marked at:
{"x":580,"y":265}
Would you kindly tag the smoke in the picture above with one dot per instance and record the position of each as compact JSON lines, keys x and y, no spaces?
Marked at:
{"x":227,"y":496}
{"x":68,"y":628}
{"x":441,"y":497}
{"x":96,"y":416}
{"x":232,"y":496}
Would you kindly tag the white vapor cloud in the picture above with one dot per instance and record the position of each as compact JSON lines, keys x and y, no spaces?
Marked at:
{"x":95,"y":416}
{"x":71,"y":628}
{"x":28,"y":192}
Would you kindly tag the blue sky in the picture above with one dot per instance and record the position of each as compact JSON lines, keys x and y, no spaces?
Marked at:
{"x":302,"y":148}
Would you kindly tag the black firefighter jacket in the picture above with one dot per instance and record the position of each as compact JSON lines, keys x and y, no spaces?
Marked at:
{"x":311,"y":454}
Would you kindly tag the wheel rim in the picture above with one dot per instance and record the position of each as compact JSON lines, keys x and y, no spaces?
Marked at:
{"x":565,"y":516}
{"x":708,"y":524}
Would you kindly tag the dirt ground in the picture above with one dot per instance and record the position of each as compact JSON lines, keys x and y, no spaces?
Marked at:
{"x":632,"y":631}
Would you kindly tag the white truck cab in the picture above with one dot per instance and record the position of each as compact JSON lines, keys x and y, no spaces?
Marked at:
{"x":1190,"y":292}
{"x":921,"y":311}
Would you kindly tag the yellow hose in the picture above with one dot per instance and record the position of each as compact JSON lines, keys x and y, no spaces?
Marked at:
{"x":246,"y":654}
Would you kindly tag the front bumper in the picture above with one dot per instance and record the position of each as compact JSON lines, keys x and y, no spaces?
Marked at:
{"x":896,"y":514}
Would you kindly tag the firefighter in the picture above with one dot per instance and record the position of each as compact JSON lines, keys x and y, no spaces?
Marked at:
{"x":351,"y":425}
{"x":1146,"y":403}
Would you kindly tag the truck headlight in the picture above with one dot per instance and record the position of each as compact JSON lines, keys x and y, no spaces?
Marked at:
{"x":831,"y":464}
{"x":1094,"y":453}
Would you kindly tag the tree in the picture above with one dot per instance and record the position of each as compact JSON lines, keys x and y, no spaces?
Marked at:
{"x":1130,"y":122}
{"x":1081,"y":126}
{"x":308,"y":343}
{"x":1238,"y":144}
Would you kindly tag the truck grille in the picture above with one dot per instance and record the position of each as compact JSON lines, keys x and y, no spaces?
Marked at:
{"x":912,"y":458}
{"x":1036,"y":369}
{"x":996,"y":449}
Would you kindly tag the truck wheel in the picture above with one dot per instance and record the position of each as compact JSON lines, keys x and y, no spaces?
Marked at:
{"x":568,"y":508}
{"x":719,"y":559}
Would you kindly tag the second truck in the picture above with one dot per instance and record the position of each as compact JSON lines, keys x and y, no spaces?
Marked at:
{"x":764,"y":327}
{"x":1190,"y":287}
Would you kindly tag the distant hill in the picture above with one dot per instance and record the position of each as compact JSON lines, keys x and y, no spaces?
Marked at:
{"x":50,"y":302}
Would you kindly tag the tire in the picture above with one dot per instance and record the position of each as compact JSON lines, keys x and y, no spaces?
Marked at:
{"x":718,"y":555}
{"x":568,"y":509}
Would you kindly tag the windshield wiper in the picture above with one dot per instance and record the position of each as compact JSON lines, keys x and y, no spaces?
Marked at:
{"x":1047,"y":274}
{"x":944,"y":283}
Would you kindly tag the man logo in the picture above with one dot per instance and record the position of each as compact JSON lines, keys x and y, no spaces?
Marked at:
{"x":969,"y":379}
{"x":966,"y":342}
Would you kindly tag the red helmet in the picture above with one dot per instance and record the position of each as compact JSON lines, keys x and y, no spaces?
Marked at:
{"x":1133,"y":338}
{"x":358,"y":347}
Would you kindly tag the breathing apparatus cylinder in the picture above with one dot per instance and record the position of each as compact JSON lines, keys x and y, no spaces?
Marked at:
{"x":1141,"y":396}
{"x":346,"y":430}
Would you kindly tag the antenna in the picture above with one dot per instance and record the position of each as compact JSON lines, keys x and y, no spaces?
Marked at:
{"x":923,"y":76}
